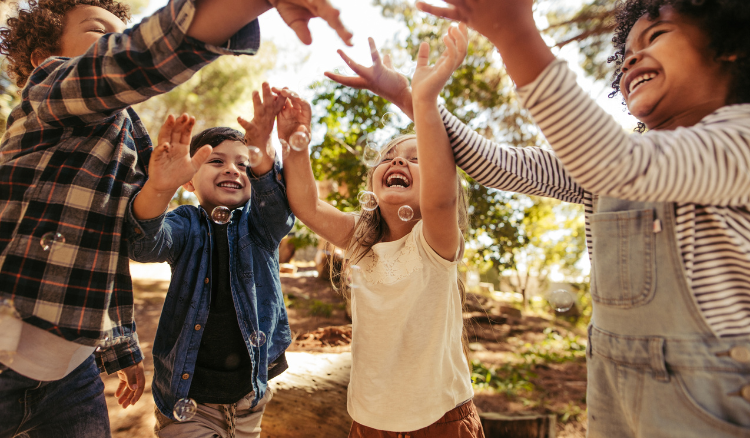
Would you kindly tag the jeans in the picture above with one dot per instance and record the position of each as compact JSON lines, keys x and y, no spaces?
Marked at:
{"x":72,"y":407}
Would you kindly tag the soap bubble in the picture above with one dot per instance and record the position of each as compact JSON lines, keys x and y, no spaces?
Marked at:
{"x":387,"y":118}
{"x":344,"y":70}
{"x":285,"y":148}
{"x":257,"y":338}
{"x":408,"y":68}
{"x":405,"y":213}
{"x":185,"y":409}
{"x":255,"y":156}
{"x":221,"y":215}
{"x":299,"y":141}
{"x":51,"y":238}
{"x":370,"y":155}
{"x":561,"y":300}
{"x":367,"y":200}
{"x":355,"y":278}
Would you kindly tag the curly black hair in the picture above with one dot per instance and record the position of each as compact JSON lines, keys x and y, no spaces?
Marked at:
{"x":39,"y":28}
{"x":726,"y":22}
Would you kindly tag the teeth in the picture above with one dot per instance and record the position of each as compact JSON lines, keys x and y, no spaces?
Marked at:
{"x":230,"y":185}
{"x":390,"y":179}
{"x":635,"y":83}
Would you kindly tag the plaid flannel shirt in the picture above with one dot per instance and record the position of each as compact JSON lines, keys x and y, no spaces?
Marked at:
{"x":73,"y":155}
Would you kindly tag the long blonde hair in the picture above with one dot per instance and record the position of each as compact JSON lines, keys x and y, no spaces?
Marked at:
{"x":371,"y":229}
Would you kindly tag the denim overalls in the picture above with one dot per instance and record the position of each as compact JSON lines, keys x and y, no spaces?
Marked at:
{"x":655,"y":369}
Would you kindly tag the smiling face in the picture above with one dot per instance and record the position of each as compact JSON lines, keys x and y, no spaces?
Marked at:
{"x":670,"y":76}
{"x":83,"y":26}
{"x":222,"y":179}
{"x":395,"y":180}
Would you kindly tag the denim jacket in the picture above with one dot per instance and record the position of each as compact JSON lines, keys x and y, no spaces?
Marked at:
{"x":182,"y":238}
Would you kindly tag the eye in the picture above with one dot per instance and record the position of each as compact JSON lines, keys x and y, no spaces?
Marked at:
{"x":414,"y":159}
{"x":215,"y":161}
{"x":655,"y":35}
{"x":99,"y":30}
{"x":242,"y":164}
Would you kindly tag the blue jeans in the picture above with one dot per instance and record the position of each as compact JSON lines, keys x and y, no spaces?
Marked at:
{"x":72,"y":407}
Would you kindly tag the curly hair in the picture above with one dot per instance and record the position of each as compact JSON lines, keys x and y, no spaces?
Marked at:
{"x":726,"y":23}
{"x":39,"y":28}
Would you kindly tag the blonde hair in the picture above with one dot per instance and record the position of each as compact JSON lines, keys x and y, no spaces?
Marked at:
{"x":371,"y":229}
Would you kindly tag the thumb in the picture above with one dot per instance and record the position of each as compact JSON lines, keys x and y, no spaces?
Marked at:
{"x":303,"y":32}
{"x":201,"y":155}
{"x":132,"y":379}
{"x":424,"y":54}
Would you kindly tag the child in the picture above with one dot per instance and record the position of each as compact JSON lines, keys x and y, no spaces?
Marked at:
{"x":410,"y":374}
{"x":73,"y":155}
{"x":223,"y":329}
{"x":667,"y":212}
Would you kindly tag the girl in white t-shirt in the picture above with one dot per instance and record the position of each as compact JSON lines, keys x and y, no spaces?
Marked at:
{"x":410,"y":375}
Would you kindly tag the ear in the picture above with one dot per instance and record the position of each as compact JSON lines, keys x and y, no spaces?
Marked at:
{"x":37,"y":57}
{"x":189,"y":186}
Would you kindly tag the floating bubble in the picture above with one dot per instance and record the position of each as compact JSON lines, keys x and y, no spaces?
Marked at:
{"x":255,"y":156}
{"x":299,"y":141}
{"x":408,"y":68}
{"x":561,"y":300}
{"x":354,"y":279}
{"x":387,"y":118}
{"x":344,"y":70}
{"x":257,"y":338}
{"x":405,"y":213}
{"x":221,"y":215}
{"x":185,"y":409}
{"x":285,"y":149}
{"x":370,"y":155}
{"x":51,"y":238}
{"x":367,"y":200}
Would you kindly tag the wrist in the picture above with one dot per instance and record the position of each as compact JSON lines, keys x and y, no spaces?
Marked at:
{"x":405,"y":102}
{"x":158,"y":192}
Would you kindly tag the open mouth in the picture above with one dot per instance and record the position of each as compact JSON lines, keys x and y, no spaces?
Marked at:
{"x":397,"y":180}
{"x":640,"y":80}
{"x":230,"y":185}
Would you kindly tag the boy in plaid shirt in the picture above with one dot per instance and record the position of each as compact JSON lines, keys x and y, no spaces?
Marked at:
{"x":73,"y":155}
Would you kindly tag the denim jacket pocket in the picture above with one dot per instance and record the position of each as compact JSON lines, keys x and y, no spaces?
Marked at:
{"x":623,"y":260}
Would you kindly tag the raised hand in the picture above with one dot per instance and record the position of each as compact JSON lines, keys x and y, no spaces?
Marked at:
{"x":430,"y":79}
{"x":171,"y":165}
{"x":296,"y":115}
{"x":258,"y":130}
{"x":381,"y":78}
{"x":297,"y":13}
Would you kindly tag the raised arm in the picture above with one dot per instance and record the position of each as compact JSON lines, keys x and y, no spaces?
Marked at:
{"x":438,"y":190}
{"x":324,"y":219}
{"x":258,"y":131}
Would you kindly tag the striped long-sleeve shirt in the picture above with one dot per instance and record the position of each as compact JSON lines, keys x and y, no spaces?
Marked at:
{"x":703,"y":169}
{"x":73,"y":155}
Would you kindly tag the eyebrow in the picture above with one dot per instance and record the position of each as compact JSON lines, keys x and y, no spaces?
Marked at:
{"x":645,"y":31}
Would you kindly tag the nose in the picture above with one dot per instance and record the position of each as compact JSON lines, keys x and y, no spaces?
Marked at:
{"x":231,"y":169}
{"x":630,"y":61}
{"x":398,"y":161}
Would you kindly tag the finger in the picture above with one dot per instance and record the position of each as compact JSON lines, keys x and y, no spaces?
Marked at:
{"x":120,"y":388}
{"x":359,"y":69}
{"x":332,"y":16}
{"x":387,"y":61}
{"x":200,"y":156}
{"x":349,"y":81}
{"x":267,"y":95}
{"x":423,"y":56}
{"x":179,"y":125}
{"x":165,"y":132}
{"x":450,"y":12}
{"x":124,"y":399}
{"x":373,"y":51}
{"x":303,"y":33}
{"x":187,"y":133}
{"x":141,"y":379}
{"x":257,"y":104}
{"x":244,"y":123}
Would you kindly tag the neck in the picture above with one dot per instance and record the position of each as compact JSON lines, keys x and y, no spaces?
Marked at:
{"x":689,"y":117}
{"x":396,"y":227}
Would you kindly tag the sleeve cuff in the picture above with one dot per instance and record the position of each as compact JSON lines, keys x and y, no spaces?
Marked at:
{"x":120,"y":356}
{"x":529,"y":94}
{"x":139,"y":229}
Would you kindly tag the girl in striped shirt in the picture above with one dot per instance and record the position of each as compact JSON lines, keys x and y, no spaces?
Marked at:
{"x":668,"y":224}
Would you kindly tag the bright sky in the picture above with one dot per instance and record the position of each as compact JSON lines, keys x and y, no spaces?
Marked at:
{"x":299,"y":65}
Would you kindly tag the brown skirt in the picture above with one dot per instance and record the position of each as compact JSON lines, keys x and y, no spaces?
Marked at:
{"x":460,"y":422}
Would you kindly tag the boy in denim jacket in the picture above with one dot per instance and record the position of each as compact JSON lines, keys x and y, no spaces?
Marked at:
{"x":73,"y":155}
{"x":223,"y":329}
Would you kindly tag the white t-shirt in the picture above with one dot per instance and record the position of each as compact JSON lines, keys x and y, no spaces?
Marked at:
{"x":408,"y":367}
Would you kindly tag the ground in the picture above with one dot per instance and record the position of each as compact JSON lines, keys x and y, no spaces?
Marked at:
{"x":531,"y":364}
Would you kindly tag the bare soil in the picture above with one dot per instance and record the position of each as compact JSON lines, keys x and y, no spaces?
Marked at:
{"x":310,"y":397}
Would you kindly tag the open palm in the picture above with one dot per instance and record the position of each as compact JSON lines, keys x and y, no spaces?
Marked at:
{"x":170,"y":165}
{"x":428,"y":79}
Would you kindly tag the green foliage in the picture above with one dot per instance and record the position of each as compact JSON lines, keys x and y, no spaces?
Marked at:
{"x":319,"y":308}
{"x":509,"y":379}
{"x":136,"y":6}
{"x":303,"y":237}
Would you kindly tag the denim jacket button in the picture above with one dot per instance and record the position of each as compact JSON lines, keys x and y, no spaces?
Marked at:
{"x":197,"y":327}
{"x":185,"y":376}
{"x":745,"y":392}
{"x":740,"y":354}
{"x":206,"y":280}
